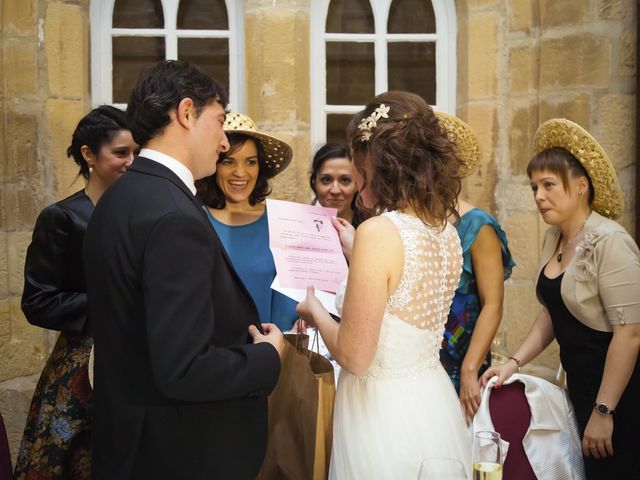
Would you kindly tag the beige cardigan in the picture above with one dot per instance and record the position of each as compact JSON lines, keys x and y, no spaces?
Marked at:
{"x":601,"y":285}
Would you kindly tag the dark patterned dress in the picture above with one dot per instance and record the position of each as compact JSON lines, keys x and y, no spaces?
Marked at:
{"x":57,"y":437}
{"x":466,"y":306}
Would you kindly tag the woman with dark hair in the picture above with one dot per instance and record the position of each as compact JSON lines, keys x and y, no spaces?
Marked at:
{"x":57,"y":437}
{"x":589,"y":286}
{"x":332,"y":181}
{"x":395,"y":405}
{"x":234,"y":196}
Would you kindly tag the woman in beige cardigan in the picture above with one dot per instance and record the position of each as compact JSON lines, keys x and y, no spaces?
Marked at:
{"x":589,"y":286}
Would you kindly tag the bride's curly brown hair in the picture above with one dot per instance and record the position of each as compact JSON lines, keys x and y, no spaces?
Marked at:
{"x":408,"y":161}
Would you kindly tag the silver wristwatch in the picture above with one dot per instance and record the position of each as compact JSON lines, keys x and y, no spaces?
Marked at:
{"x":603,"y":409}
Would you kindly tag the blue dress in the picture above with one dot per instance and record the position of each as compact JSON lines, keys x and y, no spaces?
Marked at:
{"x":466,"y":306}
{"x":248,"y":248}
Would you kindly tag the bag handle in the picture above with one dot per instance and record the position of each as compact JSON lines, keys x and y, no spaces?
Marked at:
{"x":314,"y":343}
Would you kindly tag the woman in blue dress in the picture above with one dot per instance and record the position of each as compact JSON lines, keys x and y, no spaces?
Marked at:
{"x":476,"y":310}
{"x":235,"y":196}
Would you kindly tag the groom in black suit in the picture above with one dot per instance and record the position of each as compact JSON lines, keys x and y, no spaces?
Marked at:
{"x":182,"y":366}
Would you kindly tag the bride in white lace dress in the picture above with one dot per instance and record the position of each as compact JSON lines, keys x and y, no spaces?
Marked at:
{"x":395,"y":405}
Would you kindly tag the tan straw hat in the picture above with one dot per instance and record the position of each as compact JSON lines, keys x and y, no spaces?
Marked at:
{"x":465,"y":138}
{"x":560,"y":132}
{"x":278,"y":154}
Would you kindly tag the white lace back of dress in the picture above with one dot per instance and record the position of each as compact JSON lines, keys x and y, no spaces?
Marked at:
{"x":432,"y":267}
{"x":414,"y":319}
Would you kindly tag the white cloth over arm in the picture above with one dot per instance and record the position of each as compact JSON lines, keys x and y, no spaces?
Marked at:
{"x":551,"y":443}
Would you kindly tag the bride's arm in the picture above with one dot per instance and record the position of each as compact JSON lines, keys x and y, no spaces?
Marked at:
{"x":374,"y":271}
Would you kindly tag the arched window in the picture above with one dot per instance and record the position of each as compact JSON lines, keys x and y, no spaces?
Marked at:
{"x":128,"y":35}
{"x":360,"y":48}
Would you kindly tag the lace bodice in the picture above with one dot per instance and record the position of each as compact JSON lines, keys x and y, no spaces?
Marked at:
{"x":432,"y":267}
{"x":416,"y":313}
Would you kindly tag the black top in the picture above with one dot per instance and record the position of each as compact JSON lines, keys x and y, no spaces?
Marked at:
{"x":580,"y":346}
{"x":583,"y":352}
{"x":54,"y":294}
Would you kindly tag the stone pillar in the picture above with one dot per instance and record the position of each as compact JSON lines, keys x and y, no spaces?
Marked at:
{"x":277,"y":72}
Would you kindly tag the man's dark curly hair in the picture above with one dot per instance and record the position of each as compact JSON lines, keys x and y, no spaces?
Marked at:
{"x":408,"y":161}
{"x":210,"y":192}
{"x":161,"y":88}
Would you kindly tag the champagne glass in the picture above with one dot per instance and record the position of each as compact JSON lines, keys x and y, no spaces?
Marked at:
{"x":487,"y":456}
{"x":441,"y":468}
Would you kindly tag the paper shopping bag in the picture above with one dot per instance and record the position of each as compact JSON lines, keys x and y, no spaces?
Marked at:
{"x":300,"y":415}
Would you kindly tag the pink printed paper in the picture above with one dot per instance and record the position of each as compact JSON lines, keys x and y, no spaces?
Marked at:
{"x":305,"y":246}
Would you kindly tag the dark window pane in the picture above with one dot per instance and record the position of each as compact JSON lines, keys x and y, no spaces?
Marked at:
{"x":337,"y":126}
{"x":412,"y":67}
{"x":350,"y":16}
{"x":411,"y":16}
{"x":202,"y":15}
{"x":138,"y":14}
{"x":350,"y":73}
{"x":211,"y":55}
{"x":130,"y":56}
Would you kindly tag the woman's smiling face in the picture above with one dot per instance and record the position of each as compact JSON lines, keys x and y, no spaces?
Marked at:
{"x":237,"y":172}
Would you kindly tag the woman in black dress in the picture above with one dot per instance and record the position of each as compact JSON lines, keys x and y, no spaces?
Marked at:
{"x":57,"y":437}
{"x":589,"y":285}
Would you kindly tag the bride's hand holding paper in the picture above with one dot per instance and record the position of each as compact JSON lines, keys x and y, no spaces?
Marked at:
{"x":346,"y":232}
{"x":310,"y":308}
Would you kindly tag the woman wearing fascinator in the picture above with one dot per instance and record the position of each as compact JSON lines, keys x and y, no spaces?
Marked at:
{"x":395,"y":405}
{"x":589,"y":286}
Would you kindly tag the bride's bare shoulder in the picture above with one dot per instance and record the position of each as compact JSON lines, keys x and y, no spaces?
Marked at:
{"x":378,"y":225}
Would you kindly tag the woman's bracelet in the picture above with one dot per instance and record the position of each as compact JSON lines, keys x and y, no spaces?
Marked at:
{"x":517,"y":362}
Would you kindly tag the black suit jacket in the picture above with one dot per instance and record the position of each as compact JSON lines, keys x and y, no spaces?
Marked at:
{"x":179,"y":390}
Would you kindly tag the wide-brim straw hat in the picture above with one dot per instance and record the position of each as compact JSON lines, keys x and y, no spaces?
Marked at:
{"x":465,"y":138}
{"x":278,"y":153}
{"x":560,"y":132}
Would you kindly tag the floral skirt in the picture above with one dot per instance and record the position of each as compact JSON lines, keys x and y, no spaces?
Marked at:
{"x":57,"y":437}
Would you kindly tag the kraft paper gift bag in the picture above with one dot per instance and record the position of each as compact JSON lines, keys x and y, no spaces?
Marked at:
{"x":300,"y":415}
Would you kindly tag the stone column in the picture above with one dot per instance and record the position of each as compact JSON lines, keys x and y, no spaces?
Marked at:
{"x":277,"y":72}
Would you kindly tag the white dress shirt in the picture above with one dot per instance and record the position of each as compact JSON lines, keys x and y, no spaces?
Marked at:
{"x":172,"y":164}
{"x":552,"y":443}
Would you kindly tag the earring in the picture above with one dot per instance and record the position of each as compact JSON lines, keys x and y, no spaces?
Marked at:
{"x":90,"y":170}
{"x":579,"y":194}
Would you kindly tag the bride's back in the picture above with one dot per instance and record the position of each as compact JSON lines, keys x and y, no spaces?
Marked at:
{"x":431,"y":270}
{"x":416,"y":312}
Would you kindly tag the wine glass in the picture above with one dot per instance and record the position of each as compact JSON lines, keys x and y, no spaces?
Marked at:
{"x":437,"y":468}
{"x":487,"y":456}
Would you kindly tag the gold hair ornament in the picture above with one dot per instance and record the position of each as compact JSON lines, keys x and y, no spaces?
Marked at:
{"x":367,"y":124}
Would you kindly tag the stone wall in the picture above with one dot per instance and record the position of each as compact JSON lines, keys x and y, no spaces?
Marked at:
{"x":43,"y":93}
{"x":521,"y":62}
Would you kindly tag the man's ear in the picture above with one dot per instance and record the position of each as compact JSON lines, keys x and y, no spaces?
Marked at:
{"x":186,"y":113}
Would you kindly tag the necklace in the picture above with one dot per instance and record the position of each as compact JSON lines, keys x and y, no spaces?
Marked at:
{"x":573,"y":237}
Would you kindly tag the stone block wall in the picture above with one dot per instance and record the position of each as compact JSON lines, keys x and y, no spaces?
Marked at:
{"x":44,"y":91}
{"x":521,"y":62}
